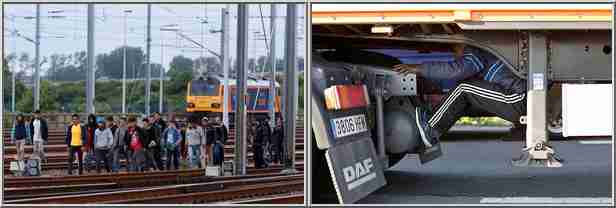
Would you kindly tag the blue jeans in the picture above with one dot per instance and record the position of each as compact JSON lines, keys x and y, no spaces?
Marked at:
{"x":173,"y":156}
{"x":194,"y":152}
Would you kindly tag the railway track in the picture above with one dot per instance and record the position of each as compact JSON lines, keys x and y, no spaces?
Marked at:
{"x":13,"y":182}
{"x":294,"y":198}
{"x":57,"y":156}
{"x":223,"y":188}
{"x":179,"y":186}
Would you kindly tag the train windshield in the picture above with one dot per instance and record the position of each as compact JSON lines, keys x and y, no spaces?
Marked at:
{"x":203,"y":88}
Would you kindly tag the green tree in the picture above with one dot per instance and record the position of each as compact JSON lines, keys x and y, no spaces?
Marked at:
{"x":180,"y":64}
{"x":111,"y":65}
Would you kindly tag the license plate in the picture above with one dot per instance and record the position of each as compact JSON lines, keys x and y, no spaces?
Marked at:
{"x":349,"y":125}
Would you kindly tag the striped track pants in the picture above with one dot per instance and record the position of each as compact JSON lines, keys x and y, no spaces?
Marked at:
{"x":477,"y":94}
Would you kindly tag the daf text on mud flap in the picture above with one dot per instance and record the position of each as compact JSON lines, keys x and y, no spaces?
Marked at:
{"x":358,"y":174}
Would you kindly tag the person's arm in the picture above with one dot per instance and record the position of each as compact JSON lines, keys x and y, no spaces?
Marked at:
{"x":178,"y":137}
{"x":13,"y":134}
{"x":44,"y":129}
{"x":84,"y":136}
{"x":68,"y":136}
{"x":110,"y":139}
{"x":458,"y":69}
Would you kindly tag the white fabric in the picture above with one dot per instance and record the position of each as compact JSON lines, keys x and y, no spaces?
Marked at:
{"x":37,"y":136}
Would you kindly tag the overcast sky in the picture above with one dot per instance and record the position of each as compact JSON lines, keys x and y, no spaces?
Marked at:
{"x":68,"y":34}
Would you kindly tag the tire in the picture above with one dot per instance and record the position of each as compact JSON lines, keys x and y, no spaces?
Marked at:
{"x":555,"y":129}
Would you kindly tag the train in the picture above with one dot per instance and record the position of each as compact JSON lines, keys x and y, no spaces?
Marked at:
{"x":204,"y":97}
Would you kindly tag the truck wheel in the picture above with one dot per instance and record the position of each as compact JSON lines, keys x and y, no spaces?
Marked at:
{"x":555,"y":128}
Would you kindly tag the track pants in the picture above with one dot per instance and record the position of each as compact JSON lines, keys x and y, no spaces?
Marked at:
{"x":477,"y":94}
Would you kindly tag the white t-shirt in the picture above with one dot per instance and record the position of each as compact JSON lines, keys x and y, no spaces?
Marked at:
{"x":37,"y":130}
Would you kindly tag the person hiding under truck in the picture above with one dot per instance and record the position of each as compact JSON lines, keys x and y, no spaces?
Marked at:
{"x":483,"y":82}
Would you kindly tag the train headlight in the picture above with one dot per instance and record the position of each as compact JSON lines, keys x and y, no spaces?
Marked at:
{"x":191,"y":105}
{"x":215,"y":105}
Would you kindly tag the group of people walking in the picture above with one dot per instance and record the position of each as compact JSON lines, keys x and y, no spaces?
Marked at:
{"x":153,"y":144}
{"x":266,"y":140}
{"x":102,"y":144}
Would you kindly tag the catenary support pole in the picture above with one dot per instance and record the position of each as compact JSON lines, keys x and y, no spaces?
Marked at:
{"x":240,"y":104}
{"x":90,"y":88}
{"x":37,"y":63}
{"x":148,"y":81}
{"x":291,"y":89}
{"x":272,"y":92}
{"x":225,"y":62}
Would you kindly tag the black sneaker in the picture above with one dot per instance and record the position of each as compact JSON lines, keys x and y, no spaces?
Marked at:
{"x":431,"y":148}
{"x":428,"y":137}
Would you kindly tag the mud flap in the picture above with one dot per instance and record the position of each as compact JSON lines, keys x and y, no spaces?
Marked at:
{"x":430,"y":153}
{"x":355,"y":169}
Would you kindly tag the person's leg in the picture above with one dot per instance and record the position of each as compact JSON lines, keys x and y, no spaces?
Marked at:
{"x":159,"y":159}
{"x":480,"y":95}
{"x":198,"y":154}
{"x":19,"y":145}
{"x":210,"y":153}
{"x":80,"y":158}
{"x":71,"y":158}
{"x":255,"y":155}
{"x":115,"y":160}
{"x":35,"y":150}
{"x":168,"y":162}
{"x":189,"y":156}
{"x":140,"y":160}
{"x":98,"y":158}
{"x":107,"y":161}
{"x":176,"y":158}
{"x":127,"y":155}
{"x":133,"y":161}
{"x":42,"y":151}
